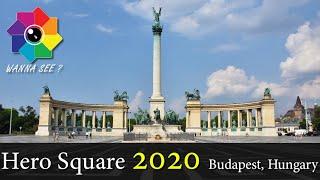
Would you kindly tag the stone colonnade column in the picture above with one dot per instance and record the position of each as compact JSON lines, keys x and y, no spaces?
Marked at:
{"x":248,"y":118}
{"x":73,"y":118}
{"x":229,"y":119}
{"x":187,"y":119}
{"x":83,"y":118}
{"x":259,"y":121}
{"x":241,"y":124}
{"x":63,"y":118}
{"x":219,"y":119}
{"x":125,"y":119}
{"x":103,"y":119}
{"x":93,"y":120}
{"x":209,"y":120}
{"x":256,"y":115}
{"x":239,"y":119}
{"x":56,"y":117}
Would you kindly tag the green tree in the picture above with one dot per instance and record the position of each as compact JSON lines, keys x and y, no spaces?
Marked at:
{"x":132,"y":122}
{"x":316,"y":119}
{"x":29,"y":120}
{"x":182,"y":122}
{"x":302,"y":124}
{"x":5,"y":119}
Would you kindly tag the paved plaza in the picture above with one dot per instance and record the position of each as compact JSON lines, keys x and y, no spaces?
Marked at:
{"x":213,"y":139}
{"x":61,"y":139}
{"x":257,"y":139}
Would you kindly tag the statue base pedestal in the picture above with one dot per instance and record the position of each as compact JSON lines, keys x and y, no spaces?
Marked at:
{"x":152,"y":130}
{"x":157,"y":103}
{"x":157,"y":130}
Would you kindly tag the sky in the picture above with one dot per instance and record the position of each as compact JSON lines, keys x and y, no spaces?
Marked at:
{"x":228,"y":49}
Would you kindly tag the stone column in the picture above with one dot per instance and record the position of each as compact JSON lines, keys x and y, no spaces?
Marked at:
{"x":248,"y":118}
{"x":83,"y":118}
{"x":157,"y":100}
{"x":187,"y":119}
{"x":63,"y":118}
{"x":256,"y":115}
{"x":209,"y":120}
{"x":239,"y":118}
{"x":259,"y":117}
{"x":219,"y":119}
{"x":73,"y":118}
{"x":56,"y":117}
{"x":93,"y":119}
{"x":103,"y":120}
{"x":229,"y":119}
{"x":125,"y":120}
{"x":156,"y":64}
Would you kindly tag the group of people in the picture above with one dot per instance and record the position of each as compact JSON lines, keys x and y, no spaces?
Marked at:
{"x":71,"y":135}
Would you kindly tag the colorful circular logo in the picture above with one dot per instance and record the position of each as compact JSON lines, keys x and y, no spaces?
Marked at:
{"x":35,"y":35}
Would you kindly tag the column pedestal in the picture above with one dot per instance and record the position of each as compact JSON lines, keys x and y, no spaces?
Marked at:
{"x":157,"y":103}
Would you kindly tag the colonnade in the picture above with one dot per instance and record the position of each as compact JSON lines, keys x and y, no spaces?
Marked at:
{"x":250,"y":121}
{"x":60,"y":115}
{"x":252,"y":118}
{"x":53,"y":116}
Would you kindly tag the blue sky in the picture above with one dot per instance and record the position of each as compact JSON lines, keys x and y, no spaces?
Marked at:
{"x":229,"y":49}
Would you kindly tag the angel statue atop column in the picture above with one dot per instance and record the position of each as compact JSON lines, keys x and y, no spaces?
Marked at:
{"x":156,"y":15}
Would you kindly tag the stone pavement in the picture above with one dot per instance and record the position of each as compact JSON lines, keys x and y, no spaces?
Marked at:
{"x":256,"y":139}
{"x":213,"y":139}
{"x":61,"y":139}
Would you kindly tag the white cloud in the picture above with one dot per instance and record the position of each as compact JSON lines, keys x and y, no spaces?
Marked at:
{"x":277,"y":90}
{"x":229,"y":81}
{"x":104,"y":29}
{"x":233,"y":80}
{"x":201,"y":17}
{"x":46,"y":1}
{"x":171,"y":9}
{"x":186,"y":25}
{"x":178,"y":105}
{"x":136,"y":101}
{"x":311,"y":89}
{"x":77,"y":15}
{"x":226,"y":48}
{"x":304,"y":48}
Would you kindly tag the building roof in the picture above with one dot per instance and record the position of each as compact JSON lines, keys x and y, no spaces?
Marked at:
{"x":298,"y":104}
